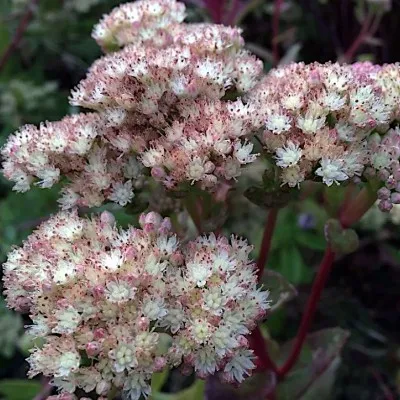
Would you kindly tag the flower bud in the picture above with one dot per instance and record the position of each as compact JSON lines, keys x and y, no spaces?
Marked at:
{"x":92,"y":349}
{"x":158,"y":173}
{"x":383,"y":193}
{"x":106,"y":218}
{"x":385,"y":205}
{"x":159,"y":363}
{"x":395,"y":198}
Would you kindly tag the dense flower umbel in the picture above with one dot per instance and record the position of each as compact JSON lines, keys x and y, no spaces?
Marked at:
{"x":95,"y":292}
{"x":331,"y":121}
{"x":149,"y":79}
{"x":97,"y":159}
{"x":144,"y":22}
{"x":207,"y":144}
{"x":158,"y":101}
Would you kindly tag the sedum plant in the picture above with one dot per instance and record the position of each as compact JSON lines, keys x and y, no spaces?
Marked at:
{"x":182,"y":111}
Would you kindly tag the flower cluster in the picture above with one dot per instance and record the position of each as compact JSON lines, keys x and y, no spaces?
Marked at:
{"x":142,"y":22}
{"x":82,"y":148}
{"x":103,"y":299}
{"x":332,"y":122}
{"x":159,"y":106}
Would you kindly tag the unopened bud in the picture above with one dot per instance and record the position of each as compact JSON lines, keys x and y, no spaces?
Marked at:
{"x":385,"y":205}
{"x":99,"y":333}
{"x":395,"y":198}
{"x":143,"y":323}
{"x":159,"y":363}
{"x":158,"y":173}
{"x":106,"y":218}
{"x":383,"y":193}
{"x":92,"y":349}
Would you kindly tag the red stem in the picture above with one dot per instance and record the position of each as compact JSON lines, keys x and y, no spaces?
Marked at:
{"x":258,"y":344}
{"x":216,"y":9}
{"x":266,"y":241}
{"x":386,"y":391}
{"x":19,"y":33}
{"x":358,"y":41}
{"x":275,"y":30}
{"x":309,"y":312}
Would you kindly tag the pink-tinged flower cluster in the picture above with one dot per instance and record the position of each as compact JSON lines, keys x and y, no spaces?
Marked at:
{"x":158,"y":100}
{"x":104,"y":299}
{"x":150,"y":79}
{"x":142,"y":22}
{"x":208,"y":144}
{"x":330,"y":121}
{"x":97,"y":160}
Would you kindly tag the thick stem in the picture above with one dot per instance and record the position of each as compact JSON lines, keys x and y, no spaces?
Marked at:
{"x":193,"y":207}
{"x":357,"y":207}
{"x":309,"y":312}
{"x":257,"y":343}
{"x":266,"y":241}
{"x":19,"y":33}
{"x":275,"y":30}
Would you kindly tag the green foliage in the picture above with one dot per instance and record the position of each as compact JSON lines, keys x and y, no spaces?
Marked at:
{"x":313,"y":375}
{"x":18,"y":389}
{"x":10,"y":329}
{"x":194,"y":392}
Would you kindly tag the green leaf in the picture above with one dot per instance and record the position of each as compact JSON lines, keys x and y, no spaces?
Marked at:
{"x":281,"y":290}
{"x":194,"y":392}
{"x":19,"y":389}
{"x":292,"y":266}
{"x":311,"y":240}
{"x":158,"y":379}
{"x":313,"y":375}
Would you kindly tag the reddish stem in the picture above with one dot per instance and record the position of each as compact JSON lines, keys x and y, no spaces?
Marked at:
{"x":266,"y":241}
{"x":357,"y":207}
{"x":257,"y":343}
{"x":19,"y":33}
{"x":309,"y":312}
{"x":216,"y":9}
{"x":275,"y":30}
{"x":386,"y":391}
{"x":358,"y":41}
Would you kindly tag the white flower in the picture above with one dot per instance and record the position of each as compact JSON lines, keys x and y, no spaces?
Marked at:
{"x":310,"y":124}
{"x":292,"y":176}
{"x":199,"y":273}
{"x":67,"y":363}
{"x":288,"y":155}
{"x":64,"y":271}
{"x":205,"y":362}
{"x":224,"y":341}
{"x":242,"y":152}
{"x":122,"y":193}
{"x":214,"y":300}
{"x":68,"y":320}
{"x":113,"y":260}
{"x":124,"y":357}
{"x":135,"y":386}
{"x":278,"y":123}
{"x":154,"y":308}
{"x":331,"y":171}
{"x":48,"y":177}
{"x":174,"y":319}
{"x":196,"y":169}
{"x":333,"y":101}
{"x":239,"y":366}
{"x":119,"y":292}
